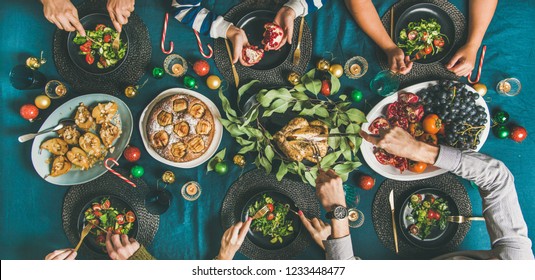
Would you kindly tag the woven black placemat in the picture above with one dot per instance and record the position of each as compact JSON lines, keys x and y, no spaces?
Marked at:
{"x":271,"y":77}
{"x":382,"y":217}
{"x":108,"y":184}
{"x":130,"y":71}
{"x":252,"y":183}
{"x":431,"y":71}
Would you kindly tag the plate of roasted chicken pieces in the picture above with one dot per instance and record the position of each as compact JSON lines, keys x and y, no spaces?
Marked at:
{"x":437,"y":112}
{"x":181,"y":128}
{"x":101,"y":128}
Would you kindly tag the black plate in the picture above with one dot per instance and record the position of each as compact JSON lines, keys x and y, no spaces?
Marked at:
{"x":117,"y":203}
{"x":253,"y":25}
{"x":437,"y":238}
{"x":90,"y":22}
{"x":263,"y":241}
{"x":428,"y":11}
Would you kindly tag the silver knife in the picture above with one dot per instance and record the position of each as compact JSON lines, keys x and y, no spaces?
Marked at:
{"x":392,"y":208}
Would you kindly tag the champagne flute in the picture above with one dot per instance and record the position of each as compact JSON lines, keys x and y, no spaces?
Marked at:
{"x":385,"y":83}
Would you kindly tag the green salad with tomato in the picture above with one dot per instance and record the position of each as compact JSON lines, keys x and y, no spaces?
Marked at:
{"x":274,"y":224}
{"x":106,"y":218}
{"x":97,"y":45}
{"x":428,"y":212}
{"x":422,"y":38}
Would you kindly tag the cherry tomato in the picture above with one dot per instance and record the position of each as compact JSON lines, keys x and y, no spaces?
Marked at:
{"x":417,"y":167}
{"x":118,"y":230}
{"x":416,"y":129}
{"x":432,"y":124}
{"x":416,"y":198}
{"x":414,"y":229}
{"x":429,"y":138}
{"x":518,"y":134}
{"x":130,"y":217}
{"x":412,"y":35}
{"x":101,"y":239}
{"x":102,"y":61}
{"x":428,"y":49}
{"x":89,"y":58}
{"x":86,"y":47}
{"x":96,"y":207}
{"x":325,"y":88}
{"x":438,"y":42}
{"x":107,"y":38}
{"x":270,"y":216}
{"x":437,"y":215}
{"x":425,"y":35}
{"x":120,"y":219}
{"x":431,"y":214}
{"x":271,"y":207}
{"x":430,"y":198}
{"x":100,"y":27}
{"x":106,"y":204}
{"x":366,"y":182}
{"x":418,"y":55}
{"x":97,"y":213}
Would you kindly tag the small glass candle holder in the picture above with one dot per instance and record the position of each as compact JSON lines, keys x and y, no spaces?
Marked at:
{"x":351,"y":195}
{"x":175,"y":65}
{"x":55,"y":89}
{"x":385,"y":83}
{"x":509,"y":87}
{"x":356,"y":67}
{"x":191,"y":191}
{"x":356,"y":217}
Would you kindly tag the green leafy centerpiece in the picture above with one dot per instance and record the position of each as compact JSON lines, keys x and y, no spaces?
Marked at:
{"x":302,"y":101}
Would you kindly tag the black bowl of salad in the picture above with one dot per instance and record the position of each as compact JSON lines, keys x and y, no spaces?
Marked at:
{"x":422,"y":218}
{"x":94,"y":53}
{"x":107,"y":213}
{"x":278,"y":227}
{"x":425,"y":32}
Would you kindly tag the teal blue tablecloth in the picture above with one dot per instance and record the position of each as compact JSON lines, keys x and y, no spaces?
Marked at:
{"x":30,"y":208}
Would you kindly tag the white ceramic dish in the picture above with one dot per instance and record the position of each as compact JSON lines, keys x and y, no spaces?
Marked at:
{"x":218,"y":133}
{"x":391,"y":172}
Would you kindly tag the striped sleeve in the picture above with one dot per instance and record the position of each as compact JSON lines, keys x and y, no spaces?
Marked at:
{"x":190,"y":13}
{"x":305,"y":7}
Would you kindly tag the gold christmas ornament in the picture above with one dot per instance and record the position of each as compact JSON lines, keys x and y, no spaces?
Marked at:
{"x":481,"y":89}
{"x":42,"y":102}
{"x":33,"y":62}
{"x":337,"y":70}
{"x":213,"y":82}
{"x":239,"y":160}
{"x":323,"y":65}
{"x":294,"y":78}
{"x":130,"y":91}
{"x":168,"y":177}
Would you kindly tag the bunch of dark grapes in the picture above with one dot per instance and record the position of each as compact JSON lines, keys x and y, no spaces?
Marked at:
{"x":456,"y":107}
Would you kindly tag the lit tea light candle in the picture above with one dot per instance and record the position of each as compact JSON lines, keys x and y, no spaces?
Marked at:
{"x":505,"y":87}
{"x":177,"y":69}
{"x":191,"y":190}
{"x":353,"y":215}
{"x":355,"y":69}
{"x":60,"y":90}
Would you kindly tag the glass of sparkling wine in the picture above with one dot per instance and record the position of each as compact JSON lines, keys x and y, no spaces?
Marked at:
{"x":356,"y":217}
{"x":385,"y":83}
{"x":55,"y":89}
{"x":158,"y":200}
{"x":175,"y":65}
{"x":509,"y":87}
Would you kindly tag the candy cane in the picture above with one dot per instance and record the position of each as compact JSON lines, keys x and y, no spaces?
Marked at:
{"x":479,"y":68}
{"x":117,"y":173}
{"x":199,"y":44}
{"x":162,"y":44}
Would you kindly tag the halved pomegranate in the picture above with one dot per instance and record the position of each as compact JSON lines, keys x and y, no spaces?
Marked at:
{"x":272,"y":36}
{"x":252,"y":54}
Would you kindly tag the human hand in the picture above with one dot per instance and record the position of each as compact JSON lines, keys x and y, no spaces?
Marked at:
{"x":285,"y":19}
{"x":399,"y":63}
{"x":329,"y":189}
{"x":399,"y":142}
{"x":232,"y":240}
{"x":120,"y":11}
{"x":120,"y":247}
{"x":62,"y":254}
{"x":63,"y":14}
{"x":462,"y":63}
{"x":239,"y":40}
{"x":317,"y":228}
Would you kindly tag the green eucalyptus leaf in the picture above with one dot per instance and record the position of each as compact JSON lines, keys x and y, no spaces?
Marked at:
{"x":278,"y":106}
{"x":250,"y":116}
{"x":245,"y":88}
{"x":301,"y":96}
{"x":268,"y":151}
{"x":273,"y":95}
{"x":265,"y":163}
{"x":356,"y":115}
{"x":343,"y":97}
{"x":309,"y":112}
{"x":298,"y":106}
{"x":310,"y":178}
{"x":300,"y":87}
{"x":329,"y":159}
{"x":247,"y":148}
{"x":334,"y":142}
{"x":335,"y":84}
{"x":231,"y":113}
{"x":252,"y":132}
{"x":344,"y":176}
{"x":217,"y":158}
{"x":321,"y":111}
{"x":283,"y":169}
{"x":243,"y":142}
{"x":344,"y":147}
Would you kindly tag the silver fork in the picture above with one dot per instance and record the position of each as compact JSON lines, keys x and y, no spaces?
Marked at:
{"x":260,"y":213}
{"x":315,"y":152}
{"x":463,"y":219}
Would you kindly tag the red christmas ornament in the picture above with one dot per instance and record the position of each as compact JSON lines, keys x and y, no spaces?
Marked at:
{"x":518,"y":134}
{"x":201,"y":67}
{"x":29,"y":112}
{"x":132,"y":154}
{"x":325,"y":88}
{"x":366,"y":182}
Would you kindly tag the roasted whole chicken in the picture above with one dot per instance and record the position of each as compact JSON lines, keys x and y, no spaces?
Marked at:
{"x":294,"y":139}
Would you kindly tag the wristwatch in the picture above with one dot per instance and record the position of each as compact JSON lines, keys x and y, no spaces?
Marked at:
{"x":339,"y":212}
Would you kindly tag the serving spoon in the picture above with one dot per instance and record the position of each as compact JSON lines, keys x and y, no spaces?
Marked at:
{"x":61,"y":124}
